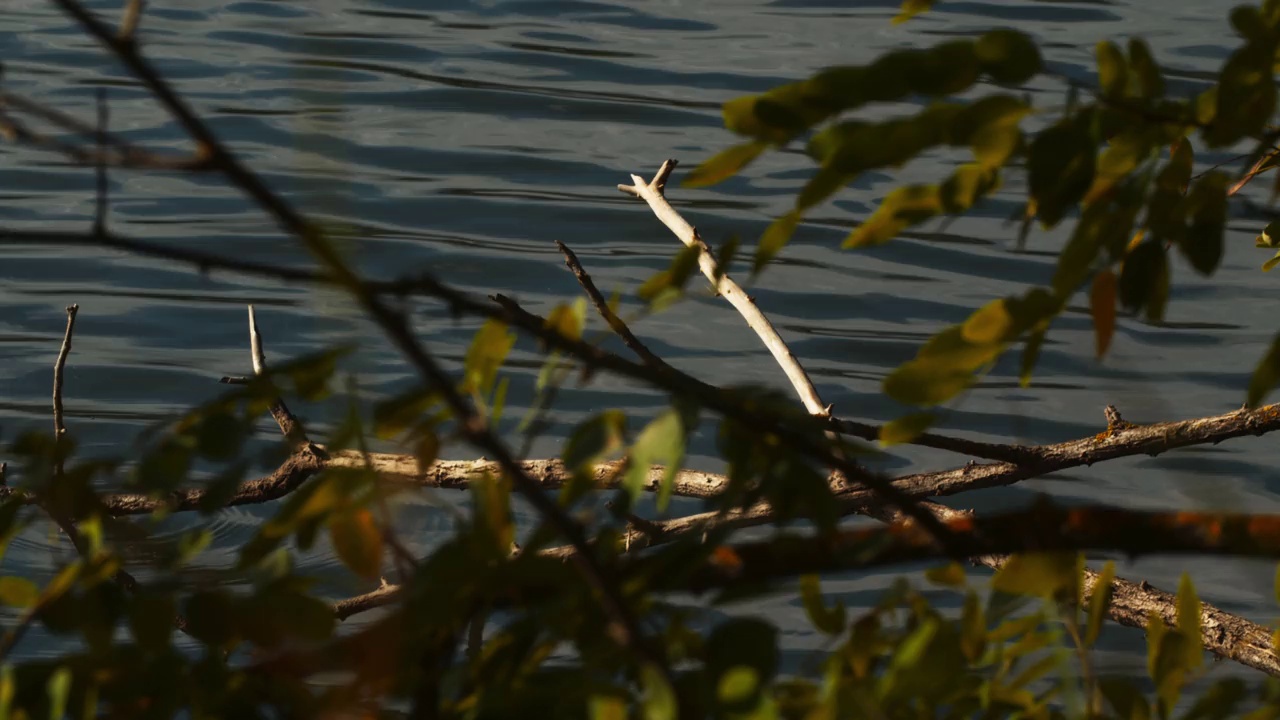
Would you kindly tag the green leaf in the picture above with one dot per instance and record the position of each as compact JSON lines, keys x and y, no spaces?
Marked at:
{"x":594,"y":438}
{"x":1189,"y":622}
{"x":1266,"y":375}
{"x":1166,"y":210}
{"x":725,"y":256}
{"x":659,"y":702}
{"x":1246,"y":96}
{"x":967,"y":185}
{"x":1030,"y":355}
{"x":1270,"y":264}
{"x":1099,"y":603}
{"x":1219,"y":701}
{"x":824,"y":183}
{"x":151,"y":618}
{"x":357,"y":541}
{"x":743,"y":643}
{"x":665,"y":286}
{"x":1113,"y":71}
{"x":828,"y":620}
{"x":724,"y":164}
{"x":1060,"y":169}
{"x":911,"y":8}
{"x":945,"y":69}
{"x":486,"y":354}
{"x":992,"y":323}
{"x":607,"y":707}
{"x":661,"y":441}
{"x":1008,"y":56}
{"x":1247,"y":21}
{"x":949,"y":575}
{"x":18,"y":592}
{"x":569,"y":319}
{"x":1206,"y":206}
{"x":1270,"y":237}
{"x":1145,"y":81}
{"x":493,"y":526}
{"x":1048,"y":575}
{"x":900,"y":209}
{"x":426,"y":448}
{"x":905,"y":429}
{"x":775,"y":238}
{"x":1125,"y":698}
{"x":927,"y":382}
{"x":1140,"y":275}
{"x":59,"y":690}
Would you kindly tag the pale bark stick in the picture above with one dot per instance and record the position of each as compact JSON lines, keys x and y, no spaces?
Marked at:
{"x":653,"y":193}
{"x":289,"y":425}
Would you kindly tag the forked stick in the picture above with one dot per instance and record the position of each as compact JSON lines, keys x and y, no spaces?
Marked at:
{"x":653,"y":193}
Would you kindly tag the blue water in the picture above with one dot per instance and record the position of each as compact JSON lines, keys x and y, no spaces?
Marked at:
{"x":465,"y":138}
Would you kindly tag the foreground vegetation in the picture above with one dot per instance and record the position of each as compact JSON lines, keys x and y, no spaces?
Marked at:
{"x":588,"y":613}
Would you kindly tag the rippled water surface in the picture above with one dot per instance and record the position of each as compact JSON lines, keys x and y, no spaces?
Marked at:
{"x":465,"y":138}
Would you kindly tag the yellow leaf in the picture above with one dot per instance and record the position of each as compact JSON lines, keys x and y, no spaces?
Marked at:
{"x":990,"y":324}
{"x":905,"y":428}
{"x":724,"y":164}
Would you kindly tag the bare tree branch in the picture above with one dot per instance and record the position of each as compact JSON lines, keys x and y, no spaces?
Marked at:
{"x":59,"y":366}
{"x":615,"y":323}
{"x":652,"y":192}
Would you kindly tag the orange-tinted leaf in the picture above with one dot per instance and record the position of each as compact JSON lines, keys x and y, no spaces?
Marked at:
{"x":1102,"y":305}
{"x":358,"y":542}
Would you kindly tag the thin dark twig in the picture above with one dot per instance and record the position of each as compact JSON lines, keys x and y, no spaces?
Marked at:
{"x":1263,"y":164}
{"x":602,"y":306}
{"x":122,"y":154}
{"x":59,"y":428}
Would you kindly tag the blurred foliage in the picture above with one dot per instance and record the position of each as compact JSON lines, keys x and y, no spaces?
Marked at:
{"x":488,"y":625}
{"x":1117,"y":159}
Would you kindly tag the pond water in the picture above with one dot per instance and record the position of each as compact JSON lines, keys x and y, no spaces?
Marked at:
{"x":466,"y":137}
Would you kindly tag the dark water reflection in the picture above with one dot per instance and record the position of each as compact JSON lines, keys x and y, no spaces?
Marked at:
{"x":465,"y":138}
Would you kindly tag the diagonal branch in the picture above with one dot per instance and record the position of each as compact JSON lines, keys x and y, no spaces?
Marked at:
{"x":602,"y":306}
{"x":653,"y":193}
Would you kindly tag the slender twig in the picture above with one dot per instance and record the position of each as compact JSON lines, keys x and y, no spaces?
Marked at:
{"x":602,"y":306}
{"x":59,"y":366}
{"x":122,"y":153}
{"x":1263,"y":164}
